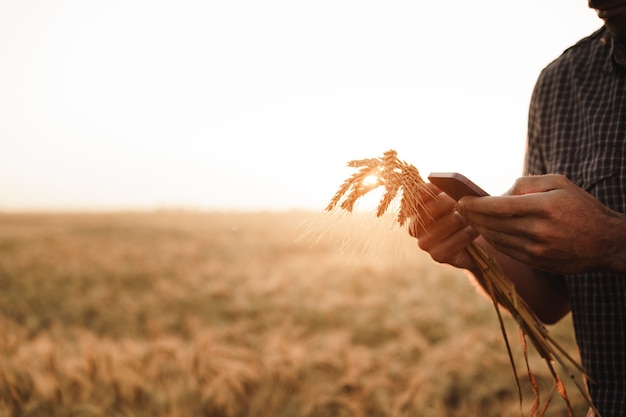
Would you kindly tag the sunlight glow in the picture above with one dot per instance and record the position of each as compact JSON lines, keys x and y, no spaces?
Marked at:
{"x":259,"y":105}
{"x":371,"y":180}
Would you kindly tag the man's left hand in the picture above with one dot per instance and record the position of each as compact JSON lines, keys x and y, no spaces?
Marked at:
{"x":549,"y":223}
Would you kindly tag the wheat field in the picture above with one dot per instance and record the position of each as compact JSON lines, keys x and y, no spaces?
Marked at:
{"x":246,"y":314}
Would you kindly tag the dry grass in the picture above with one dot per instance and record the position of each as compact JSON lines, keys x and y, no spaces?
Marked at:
{"x":399,"y":178}
{"x":223,"y":314}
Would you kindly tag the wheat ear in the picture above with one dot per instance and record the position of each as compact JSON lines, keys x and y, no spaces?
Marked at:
{"x":399,"y":177}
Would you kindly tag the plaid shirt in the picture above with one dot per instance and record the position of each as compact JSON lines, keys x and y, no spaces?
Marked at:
{"x":577,"y":127}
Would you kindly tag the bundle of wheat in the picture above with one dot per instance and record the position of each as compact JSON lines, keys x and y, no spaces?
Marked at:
{"x":402,"y":180}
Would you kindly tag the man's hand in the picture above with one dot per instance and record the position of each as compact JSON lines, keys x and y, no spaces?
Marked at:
{"x":442,"y":231}
{"x":549,"y":223}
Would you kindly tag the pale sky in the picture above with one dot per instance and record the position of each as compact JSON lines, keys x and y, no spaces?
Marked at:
{"x":252,"y":104}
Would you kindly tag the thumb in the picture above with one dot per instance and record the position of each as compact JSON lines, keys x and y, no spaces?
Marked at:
{"x":537,"y":184}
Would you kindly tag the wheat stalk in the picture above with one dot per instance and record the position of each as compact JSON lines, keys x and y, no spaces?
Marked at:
{"x":399,"y":177}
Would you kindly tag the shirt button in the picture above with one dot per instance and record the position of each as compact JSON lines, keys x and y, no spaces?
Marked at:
{"x":580,"y":182}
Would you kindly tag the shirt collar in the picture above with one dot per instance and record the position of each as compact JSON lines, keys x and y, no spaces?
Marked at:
{"x":616,"y":57}
{"x":619,"y":53}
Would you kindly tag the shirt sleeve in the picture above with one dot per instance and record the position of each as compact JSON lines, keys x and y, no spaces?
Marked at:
{"x":533,"y":158}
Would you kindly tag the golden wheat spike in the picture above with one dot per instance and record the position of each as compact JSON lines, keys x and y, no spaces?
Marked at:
{"x":356,"y":183}
{"x":398,"y":177}
{"x":395,"y":175}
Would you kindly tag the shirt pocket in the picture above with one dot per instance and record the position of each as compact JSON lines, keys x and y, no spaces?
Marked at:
{"x":590,"y":178}
{"x":606,"y":185}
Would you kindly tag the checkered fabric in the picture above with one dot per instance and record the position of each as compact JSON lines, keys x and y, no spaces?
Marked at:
{"x":577,"y":127}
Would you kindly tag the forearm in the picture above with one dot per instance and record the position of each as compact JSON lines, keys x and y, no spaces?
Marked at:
{"x":545,"y":294}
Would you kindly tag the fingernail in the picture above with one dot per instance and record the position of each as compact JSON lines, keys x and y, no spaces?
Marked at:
{"x":460,"y":207}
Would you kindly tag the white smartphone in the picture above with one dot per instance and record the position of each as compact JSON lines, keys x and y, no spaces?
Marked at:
{"x":456,"y":185}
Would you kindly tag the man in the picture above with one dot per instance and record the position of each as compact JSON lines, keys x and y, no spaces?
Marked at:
{"x":560,"y":231}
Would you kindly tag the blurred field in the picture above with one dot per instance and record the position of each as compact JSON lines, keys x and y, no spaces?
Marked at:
{"x":245,"y":314}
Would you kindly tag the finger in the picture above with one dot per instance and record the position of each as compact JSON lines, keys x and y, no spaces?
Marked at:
{"x":537,"y":184}
{"x":453,"y":242}
{"x":428,"y":192}
{"x":489,"y":224}
{"x":519,"y":248}
{"x":523,"y":198}
{"x":452,"y":249}
{"x":511,"y":205}
{"x":442,"y":229}
{"x":433,"y":189}
{"x":505,"y":241}
{"x":446,"y":237}
{"x":432,"y":211}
